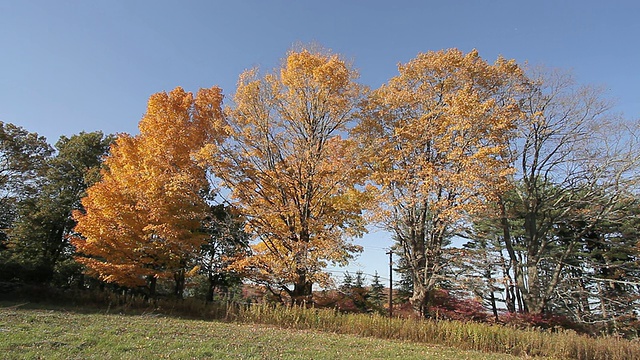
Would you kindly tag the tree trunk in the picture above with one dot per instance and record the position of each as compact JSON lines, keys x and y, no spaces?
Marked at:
{"x":210,"y":288}
{"x":533,"y":299}
{"x":302,"y":289}
{"x":528,"y":297}
{"x":151,"y":285}
{"x":420,"y":299}
{"x":179,"y":278}
{"x":494,"y":307}
{"x":509,"y":293}
{"x":422,"y":296}
{"x":425,"y":260}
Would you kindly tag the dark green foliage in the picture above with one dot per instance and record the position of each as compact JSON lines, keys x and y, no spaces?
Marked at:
{"x":355,"y":297}
{"x":402,"y":288}
{"x":39,"y":237}
{"x":226,"y":242}
{"x":22,"y":162}
{"x":376,"y":291}
{"x":358,"y":283}
{"x":347,"y":282}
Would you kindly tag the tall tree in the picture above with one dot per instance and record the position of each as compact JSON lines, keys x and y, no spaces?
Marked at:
{"x":435,"y":139}
{"x":574,"y":163}
{"x":40,"y":235}
{"x":23,"y":156}
{"x":142,"y":221}
{"x":291,"y":173}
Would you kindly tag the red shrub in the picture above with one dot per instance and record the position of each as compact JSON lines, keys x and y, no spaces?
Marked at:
{"x":538,"y":320}
{"x":449,"y":307}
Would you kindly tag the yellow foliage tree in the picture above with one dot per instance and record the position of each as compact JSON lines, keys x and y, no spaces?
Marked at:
{"x":435,"y":138}
{"x":291,"y":173}
{"x":141,"y":220}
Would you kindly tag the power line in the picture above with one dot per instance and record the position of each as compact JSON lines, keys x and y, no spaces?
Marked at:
{"x":367,"y":274}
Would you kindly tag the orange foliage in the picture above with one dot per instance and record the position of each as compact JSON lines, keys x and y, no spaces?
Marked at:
{"x":142,"y":219}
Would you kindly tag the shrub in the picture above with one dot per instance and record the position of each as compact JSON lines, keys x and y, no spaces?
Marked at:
{"x":449,"y":307}
{"x":539,"y":321}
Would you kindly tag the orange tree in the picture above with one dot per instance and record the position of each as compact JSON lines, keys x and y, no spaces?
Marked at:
{"x":142,"y":220}
{"x":435,"y":139}
{"x":291,"y":173}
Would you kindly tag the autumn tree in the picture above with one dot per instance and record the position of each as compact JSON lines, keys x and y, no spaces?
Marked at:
{"x":290,"y":171}
{"x":142,"y":221}
{"x":435,"y":139}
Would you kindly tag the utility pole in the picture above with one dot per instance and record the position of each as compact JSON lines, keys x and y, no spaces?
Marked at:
{"x":390,"y":283}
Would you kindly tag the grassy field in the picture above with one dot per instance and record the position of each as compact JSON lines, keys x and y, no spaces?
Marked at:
{"x":38,"y":332}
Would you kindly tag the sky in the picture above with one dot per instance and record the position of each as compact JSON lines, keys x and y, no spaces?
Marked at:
{"x":72,"y":66}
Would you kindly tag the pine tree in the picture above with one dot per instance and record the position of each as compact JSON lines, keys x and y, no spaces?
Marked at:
{"x":376,"y":292}
{"x":347,"y":283}
{"x":359,"y":280}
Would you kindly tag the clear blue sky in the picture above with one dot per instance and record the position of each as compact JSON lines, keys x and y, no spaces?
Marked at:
{"x":69,"y":66}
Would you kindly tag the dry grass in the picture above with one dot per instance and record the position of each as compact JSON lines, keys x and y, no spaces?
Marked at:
{"x":466,"y":336}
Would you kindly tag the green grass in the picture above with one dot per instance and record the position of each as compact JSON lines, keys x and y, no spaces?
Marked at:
{"x":296,"y":332}
{"x":58,"y":334}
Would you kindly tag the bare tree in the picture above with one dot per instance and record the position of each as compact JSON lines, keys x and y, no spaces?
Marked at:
{"x":574,"y":160}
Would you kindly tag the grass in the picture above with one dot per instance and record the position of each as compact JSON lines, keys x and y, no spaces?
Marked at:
{"x":464,"y":336}
{"x":419,"y":336}
{"x":40,"y":332}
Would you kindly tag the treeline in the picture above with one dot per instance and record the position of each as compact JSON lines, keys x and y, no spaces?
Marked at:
{"x":532,"y":172}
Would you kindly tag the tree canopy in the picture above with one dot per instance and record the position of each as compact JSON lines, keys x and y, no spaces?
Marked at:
{"x":435,"y":138}
{"x":291,"y":172}
{"x":142,"y":220}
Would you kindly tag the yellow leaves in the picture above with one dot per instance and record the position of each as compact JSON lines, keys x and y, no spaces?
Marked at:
{"x":141,"y":218}
{"x":289,"y":169}
{"x":436,"y":134}
{"x":304,"y":69}
{"x":433,"y":137}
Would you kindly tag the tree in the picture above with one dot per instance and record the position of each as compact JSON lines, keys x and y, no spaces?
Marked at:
{"x":22,"y":162}
{"x":291,"y":173}
{"x":354,"y":295}
{"x":376,"y":291}
{"x":143,"y":220}
{"x":347,"y":283}
{"x":599,"y":285}
{"x":435,"y":140}
{"x":358,"y":282}
{"x":39,"y":238}
{"x":226,"y":243}
{"x":479,"y":272}
{"x":574,"y":163}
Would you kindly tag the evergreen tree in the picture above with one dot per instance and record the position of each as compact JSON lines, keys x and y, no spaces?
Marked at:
{"x":359,"y":280}
{"x":226,"y":242}
{"x":376,"y":291}
{"x":347,"y":283}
